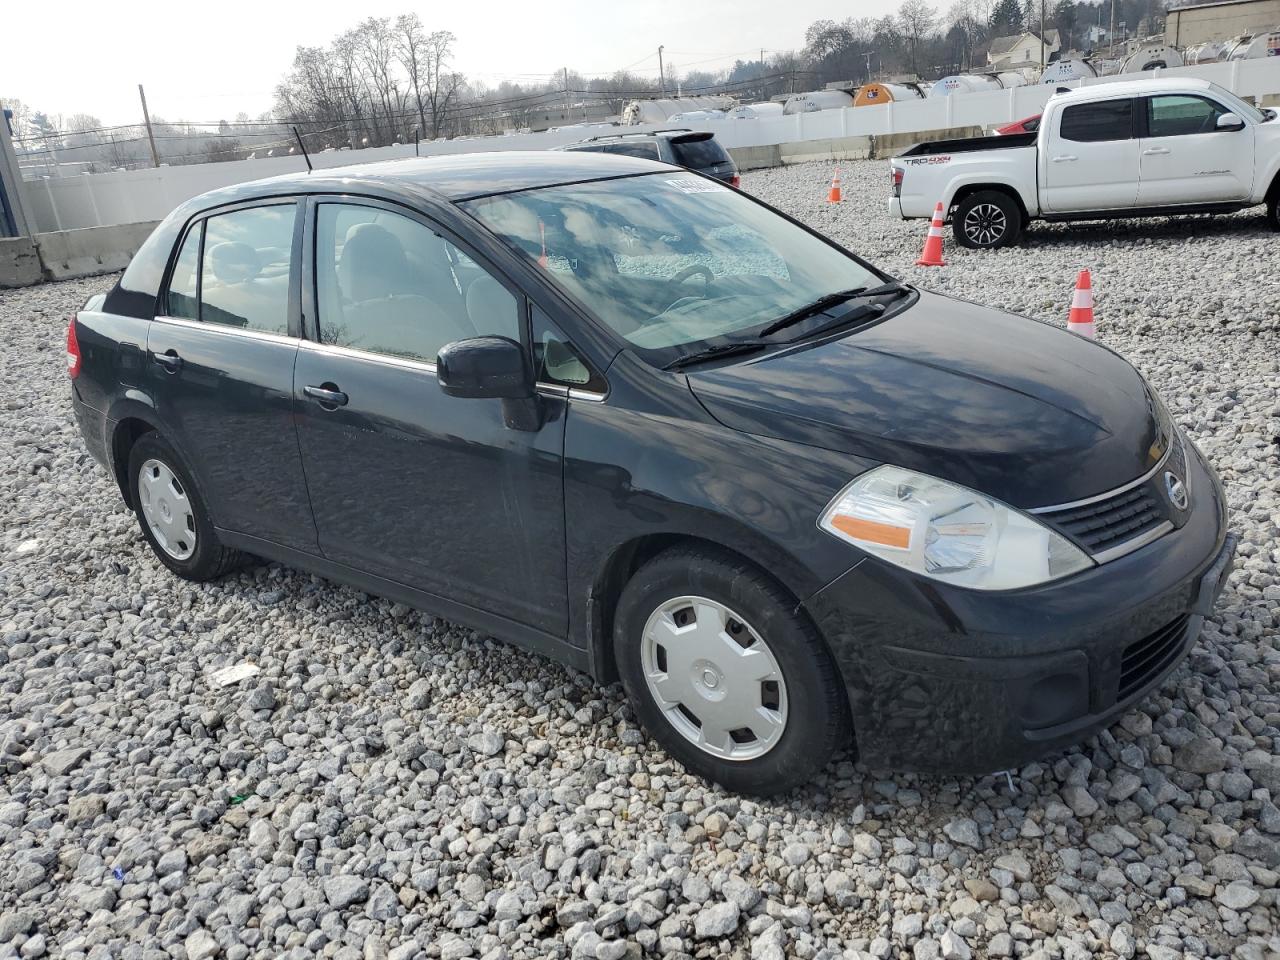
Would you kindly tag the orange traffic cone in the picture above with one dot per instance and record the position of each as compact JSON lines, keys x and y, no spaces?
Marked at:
{"x":542,"y":257}
{"x":931,"y":256}
{"x":834,"y":195}
{"x":1080,"y":319}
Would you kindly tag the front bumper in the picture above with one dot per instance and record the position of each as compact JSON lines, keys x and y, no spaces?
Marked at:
{"x":945,"y":680}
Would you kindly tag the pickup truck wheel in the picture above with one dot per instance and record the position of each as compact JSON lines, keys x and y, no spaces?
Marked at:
{"x":1273,"y":211}
{"x":725,"y":674}
{"x":986,"y":220}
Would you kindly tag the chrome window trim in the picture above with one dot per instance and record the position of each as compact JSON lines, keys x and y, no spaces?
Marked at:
{"x":1110,"y":493}
{"x":226,"y":329}
{"x":546,"y":389}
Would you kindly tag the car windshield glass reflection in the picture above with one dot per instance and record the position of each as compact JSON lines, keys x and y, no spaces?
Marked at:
{"x":669,"y":261}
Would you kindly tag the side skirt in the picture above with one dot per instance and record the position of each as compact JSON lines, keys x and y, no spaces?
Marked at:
{"x":501,"y":628}
{"x":1132,"y":213}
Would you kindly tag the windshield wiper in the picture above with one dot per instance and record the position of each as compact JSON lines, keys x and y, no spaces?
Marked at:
{"x":862,"y":311}
{"x":715,"y":353}
{"x":831,"y":300}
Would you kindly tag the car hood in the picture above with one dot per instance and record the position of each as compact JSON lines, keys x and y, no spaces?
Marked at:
{"x":1014,"y":408}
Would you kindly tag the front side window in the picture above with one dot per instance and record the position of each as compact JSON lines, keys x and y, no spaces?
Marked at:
{"x":244,"y":276}
{"x":1179,"y":115}
{"x":1095,"y":122}
{"x":183,"y":292}
{"x":668,"y":259}
{"x":388,"y":284}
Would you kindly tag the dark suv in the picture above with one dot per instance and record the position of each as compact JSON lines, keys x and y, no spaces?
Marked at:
{"x":626,"y":416}
{"x":700,"y":152}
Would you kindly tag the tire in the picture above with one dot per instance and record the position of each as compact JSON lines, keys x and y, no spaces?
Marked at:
{"x":802,"y":716}
{"x":1273,"y":210}
{"x":172,"y":514}
{"x":987,"y":220}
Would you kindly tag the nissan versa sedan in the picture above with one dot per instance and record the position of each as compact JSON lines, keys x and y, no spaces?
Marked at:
{"x":625,"y":416}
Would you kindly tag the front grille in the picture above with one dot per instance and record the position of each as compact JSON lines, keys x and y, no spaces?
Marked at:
{"x":1150,"y":656}
{"x":1110,"y":522}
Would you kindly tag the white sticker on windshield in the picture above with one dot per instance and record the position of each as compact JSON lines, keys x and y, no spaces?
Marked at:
{"x":694,"y":185}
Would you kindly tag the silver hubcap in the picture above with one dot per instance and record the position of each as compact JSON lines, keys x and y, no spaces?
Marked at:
{"x":167,"y":510}
{"x":985,"y":223}
{"x":714,"y":678}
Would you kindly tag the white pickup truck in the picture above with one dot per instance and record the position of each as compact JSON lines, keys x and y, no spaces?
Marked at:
{"x":1127,"y":149}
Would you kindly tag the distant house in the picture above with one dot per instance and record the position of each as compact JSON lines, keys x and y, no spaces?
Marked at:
{"x":1022,"y":49}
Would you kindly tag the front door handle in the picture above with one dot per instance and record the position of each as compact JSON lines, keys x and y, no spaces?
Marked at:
{"x":1155,"y":152}
{"x":170,"y":360}
{"x":1066,"y":158}
{"x":327,"y":395}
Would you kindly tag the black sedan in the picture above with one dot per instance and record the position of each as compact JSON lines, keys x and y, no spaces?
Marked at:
{"x":626,"y":416}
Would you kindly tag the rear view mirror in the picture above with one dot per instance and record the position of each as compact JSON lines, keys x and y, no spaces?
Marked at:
{"x":484,"y":367}
{"x":1229,"y":121}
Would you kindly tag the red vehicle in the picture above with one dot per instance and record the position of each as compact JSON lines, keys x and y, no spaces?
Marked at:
{"x":1025,"y":125}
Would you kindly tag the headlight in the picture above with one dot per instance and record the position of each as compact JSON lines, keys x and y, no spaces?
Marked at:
{"x":948,"y":532}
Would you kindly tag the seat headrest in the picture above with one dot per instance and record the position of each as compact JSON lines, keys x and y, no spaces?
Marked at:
{"x":373,"y":263}
{"x":234,"y":261}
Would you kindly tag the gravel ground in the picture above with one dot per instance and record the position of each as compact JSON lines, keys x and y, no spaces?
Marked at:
{"x":391,"y":785}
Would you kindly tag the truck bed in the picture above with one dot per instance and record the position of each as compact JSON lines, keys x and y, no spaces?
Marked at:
{"x":970,"y":145}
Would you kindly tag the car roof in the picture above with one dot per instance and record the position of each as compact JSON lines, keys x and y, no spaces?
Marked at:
{"x":454,"y":177}
{"x":1133,"y":88}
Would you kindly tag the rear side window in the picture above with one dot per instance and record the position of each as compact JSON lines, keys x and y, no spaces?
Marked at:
{"x":699,"y":154}
{"x":1180,"y":116}
{"x":244,"y":276}
{"x":183,"y":292}
{"x":1094,"y":122}
{"x":645,"y":151}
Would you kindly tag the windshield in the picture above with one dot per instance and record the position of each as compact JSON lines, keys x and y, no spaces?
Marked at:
{"x":668,"y":260}
{"x":1239,"y":107}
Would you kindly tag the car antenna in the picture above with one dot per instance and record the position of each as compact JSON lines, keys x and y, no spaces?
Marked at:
{"x":303,"y":147}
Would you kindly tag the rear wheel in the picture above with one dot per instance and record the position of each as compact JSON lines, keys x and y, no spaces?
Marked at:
{"x":1273,"y":211}
{"x":987,"y":220}
{"x":725,"y":674}
{"x":172,"y":515}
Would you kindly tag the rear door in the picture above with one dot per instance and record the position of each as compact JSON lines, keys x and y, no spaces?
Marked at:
{"x":1090,"y":158}
{"x":219,"y":366}
{"x":1187,"y":159}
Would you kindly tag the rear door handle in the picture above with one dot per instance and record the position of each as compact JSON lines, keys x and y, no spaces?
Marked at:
{"x":1155,"y":152}
{"x":327,"y":395}
{"x":1065,"y":158}
{"x":170,"y":360}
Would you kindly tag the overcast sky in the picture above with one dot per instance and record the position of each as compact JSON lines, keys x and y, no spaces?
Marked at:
{"x":208,"y":61}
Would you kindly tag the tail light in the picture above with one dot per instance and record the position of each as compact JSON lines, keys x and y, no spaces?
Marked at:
{"x":897,"y":182}
{"x":73,"y":351}
{"x":735,"y":181}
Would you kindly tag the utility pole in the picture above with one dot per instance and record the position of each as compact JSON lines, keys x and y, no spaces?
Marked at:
{"x":1043,"y":41}
{"x":567,"y":111}
{"x":662,"y":80}
{"x":146,"y":117}
{"x":1111,"y":35}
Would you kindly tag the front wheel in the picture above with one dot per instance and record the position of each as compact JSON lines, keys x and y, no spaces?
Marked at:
{"x":172,"y":514}
{"x":987,"y":220}
{"x":726,"y":675}
{"x":1273,"y":211}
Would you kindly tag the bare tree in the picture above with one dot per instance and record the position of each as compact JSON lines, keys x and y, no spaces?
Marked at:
{"x":916,"y":19}
{"x":440,"y":84}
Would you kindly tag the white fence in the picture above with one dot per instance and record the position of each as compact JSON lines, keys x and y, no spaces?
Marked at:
{"x":141,"y":195}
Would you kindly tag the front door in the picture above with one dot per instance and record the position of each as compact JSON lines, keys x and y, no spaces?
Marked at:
{"x":431,"y":491}
{"x":1187,"y":159}
{"x":1090,"y":158}
{"x":220,"y":369}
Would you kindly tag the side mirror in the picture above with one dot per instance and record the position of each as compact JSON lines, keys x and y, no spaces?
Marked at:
{"x":484,"y":367}
{"x":1229,"y":121}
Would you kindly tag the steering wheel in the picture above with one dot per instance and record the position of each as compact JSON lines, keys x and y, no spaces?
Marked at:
{"x":692,"y":271}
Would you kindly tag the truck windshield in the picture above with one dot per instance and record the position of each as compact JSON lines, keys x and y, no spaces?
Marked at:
{"x":1241,"y":108}
{"x":669,"y":260}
